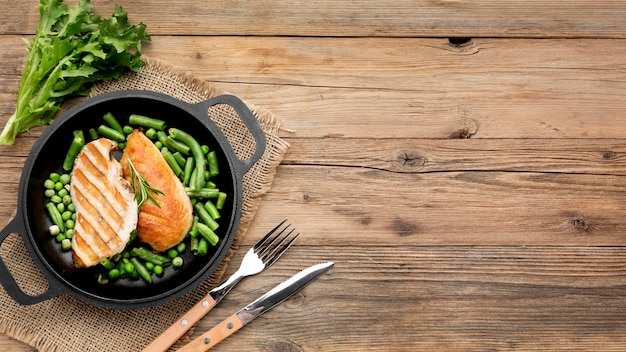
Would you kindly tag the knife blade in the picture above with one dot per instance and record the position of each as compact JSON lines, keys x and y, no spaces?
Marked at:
{"x":272,"y":298}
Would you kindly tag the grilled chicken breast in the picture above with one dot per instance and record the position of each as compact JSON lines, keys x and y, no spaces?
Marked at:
{"x":165,"y":226}
{"x":106,"y":209}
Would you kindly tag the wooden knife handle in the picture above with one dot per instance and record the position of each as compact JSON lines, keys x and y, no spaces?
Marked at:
{"x":212,"y":337}
{"x":180,"y":326}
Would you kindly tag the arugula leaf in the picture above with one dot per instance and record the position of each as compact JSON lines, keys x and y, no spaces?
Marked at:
{"x":72,"y":49}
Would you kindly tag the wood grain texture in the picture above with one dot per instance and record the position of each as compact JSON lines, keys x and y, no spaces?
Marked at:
{"x":405,"y":88}
{"x":471,"y":192}
{"x":440,"y":298}
{"x":362,"y":18}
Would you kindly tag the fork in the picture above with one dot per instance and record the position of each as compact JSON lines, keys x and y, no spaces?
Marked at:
{"x":259,"y":257}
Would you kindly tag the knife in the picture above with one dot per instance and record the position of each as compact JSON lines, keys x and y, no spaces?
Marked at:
{"x":261,"y":305}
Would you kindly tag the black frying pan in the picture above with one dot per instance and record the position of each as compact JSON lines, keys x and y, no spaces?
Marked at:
{"x":31,"y":220}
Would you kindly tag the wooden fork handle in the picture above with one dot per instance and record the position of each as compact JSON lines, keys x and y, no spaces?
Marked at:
{"x":212,"y":337}
{"x":168,"y":337}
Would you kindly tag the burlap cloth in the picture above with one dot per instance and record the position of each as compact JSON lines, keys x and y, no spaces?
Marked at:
{"x":65,"y":323}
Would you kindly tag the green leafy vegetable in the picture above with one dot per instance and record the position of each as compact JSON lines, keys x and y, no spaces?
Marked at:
{"x":72,"y":48}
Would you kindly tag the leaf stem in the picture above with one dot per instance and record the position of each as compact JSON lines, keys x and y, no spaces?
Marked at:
{"x":143,"y":190}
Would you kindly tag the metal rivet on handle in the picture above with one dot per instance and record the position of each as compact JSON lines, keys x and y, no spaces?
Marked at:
{"x":207,"y":341}
{"x":184,"y":322}
{"x":229,"y":326}
{"x":205,"y":304}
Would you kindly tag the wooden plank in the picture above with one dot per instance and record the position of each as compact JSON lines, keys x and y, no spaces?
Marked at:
{"x":404,"y":88}
{"x":401,"y":18}
{"x":600,"y":157}
{"x":363,"y":206}
{"x":439,"y":298}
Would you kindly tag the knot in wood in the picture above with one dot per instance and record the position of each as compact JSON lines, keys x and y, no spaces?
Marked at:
{"x":608,"y":155}
{"x":411,"y":159}
{"x":581,"y":224}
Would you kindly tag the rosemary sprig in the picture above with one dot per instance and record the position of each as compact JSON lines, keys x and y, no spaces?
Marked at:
{"x":143,"y":190}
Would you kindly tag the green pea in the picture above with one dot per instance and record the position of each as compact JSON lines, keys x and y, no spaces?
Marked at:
{"x":65,"y":179}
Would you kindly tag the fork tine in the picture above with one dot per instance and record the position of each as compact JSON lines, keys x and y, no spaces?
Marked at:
{"x":262,"y":240}
{"x":276,"y":254}
{"x":269,"y":243}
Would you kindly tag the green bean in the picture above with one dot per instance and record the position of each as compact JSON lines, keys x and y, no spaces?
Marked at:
{"x":171,"y":161}
{"x":151,"y":133}
{"x":196,"y":150}
{"x":107,"y":263}
{"x":111,"y":133}
{"x":202,"y":193}
{"x":221,"y":199}
{"x":203,"y":247}
{"x":149,"y":256}
{"x":188,"y":170}
{"x":102,"y":280}
{"x":77,"y":145}
{"x":214,"y":169}
{"x":178,"y":146}
{"x":112,"y":121}
{"x":212,"y":209}
{"x":208,"y":234}
{"x":148,"y":122}
{"x":194,"y":230}
{"x":192,"y":180}
{"x":180,"y":159}
{"x":55,"y":216}
{"x":93,"y":134}
{"x":193,"y":244}
{"x":162,"y":137}
{"x":141,"y":270}
{"x":204,"y":215}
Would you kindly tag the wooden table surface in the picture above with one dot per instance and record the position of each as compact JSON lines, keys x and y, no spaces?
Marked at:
{"x":462,"y":162}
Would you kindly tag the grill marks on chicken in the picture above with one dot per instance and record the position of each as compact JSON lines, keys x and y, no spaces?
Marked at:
{"x":106,"y":209}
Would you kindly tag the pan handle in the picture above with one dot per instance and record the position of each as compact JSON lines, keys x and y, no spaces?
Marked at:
{"x":248,"y":119}
{"x":8,"y":281}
